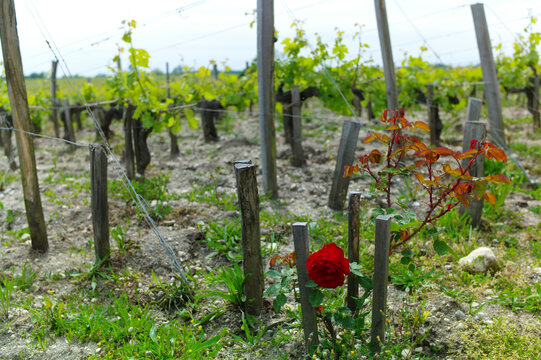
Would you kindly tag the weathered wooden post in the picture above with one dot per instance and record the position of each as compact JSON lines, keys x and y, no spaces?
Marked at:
{"x":208,"y":117}
{"x":173,"y":139}
{"x":490,"y":78}
{"x":54,"y":104}
{"x":386,"y":54}
{"x":301,"y":242}
{"x":128,"y":141}
{"x":296,"y":143}
{"x":381,"y":272}
{"x":5,"y":137}
{"x":432,"y":120}
{"x":474,"y":130}
{"x":346,"y":154}
{"x":354,"y":206}
{"x":99,"y":203}
{"x":265,"y":86}
{"x":251,"y":236}
{"x":21,"y":121}
{"x":68,"y":125}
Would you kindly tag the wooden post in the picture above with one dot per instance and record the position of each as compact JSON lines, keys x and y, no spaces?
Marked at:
{"x":5,"y":136}
{"x":490,"y":78}
{"x":68,"y":124}
{"x":215,"y":72}
{"x":354,"y":206}
{"x":251,"y":236}
{"x":473,"y":111}
{"x":381,"y":272}
{"x":535,"y":111}
{"x":54,"y":104}
{"x":386,"y":54}
{"x":301,"y":242}
{"x":173,"y":139}
{"x":167,"y":80}
{"x":128,"y":141}
{"x":21,"y":120}
{"x":100,"y":209}
{"x":346,"y":154}
{"x":432,"y":121}
{"x":474,"y":130}
{"x":208,"y":117}
{"x":296,"y":143}
{"x":265,"y":86}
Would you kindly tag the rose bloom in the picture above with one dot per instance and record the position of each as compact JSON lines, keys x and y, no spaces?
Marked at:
{"x":328,"y":266}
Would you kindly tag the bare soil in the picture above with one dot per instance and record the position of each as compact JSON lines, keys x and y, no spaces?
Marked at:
{"x":302,"y":191}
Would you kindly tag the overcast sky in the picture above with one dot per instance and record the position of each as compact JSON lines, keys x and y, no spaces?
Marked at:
{"x":193,"y":32}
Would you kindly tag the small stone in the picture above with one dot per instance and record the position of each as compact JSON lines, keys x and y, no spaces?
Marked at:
{"x":25,"y":237}
{"x":419,"y":349}
{"x":479,"y":260}
{"x":153,"y":203}
{"x":460,"y":314}
{"x":293,"y":187}
{"x":405,"y":353}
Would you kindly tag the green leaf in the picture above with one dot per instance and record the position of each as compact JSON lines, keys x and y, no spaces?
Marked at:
{"x":355,"y":268}
{"x":273,"y":274}
{"x":441,"y":247}
{"x":432,"y":231}
{"x":279,"y":302}
{"x":311,"y":284}
{"x":153,"y":333}
{"x":405,"y":260}
{"x":315,"y":297}
{"x":366,"y":282}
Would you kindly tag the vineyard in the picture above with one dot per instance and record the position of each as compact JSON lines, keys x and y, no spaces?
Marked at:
{"x":287,"y":210}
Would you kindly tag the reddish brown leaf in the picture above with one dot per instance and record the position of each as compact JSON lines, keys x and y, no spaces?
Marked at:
{"x":443,"y":151}
{"x":368,"y":138}
{"x":497,"y":179}
{"x":490,"y":197}
{"x":422,"y":125}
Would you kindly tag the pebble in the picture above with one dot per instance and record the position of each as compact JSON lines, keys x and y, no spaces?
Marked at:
{"x":405,"y":353}
{"x":479,"y":260}
{"x":460,"y":314}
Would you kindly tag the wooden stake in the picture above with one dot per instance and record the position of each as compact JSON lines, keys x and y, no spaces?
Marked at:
{"x":208,"y":117}
{"x":128,"y":141}
{"x":386,"y":54}
{"x":473,"y":111}
{"x":432,"y":122}
{"x":5,"y":137}
{"x":346,"y":154}
{"x":54,"y":104}
{"x":354,"y":206}
{"x":100,"y":208}
{"x":296,"y":143}
{"x":301,"y":242}
{"x":21,"y":120}
{"x":490,"y":78}
{"x":265,"y":85}
{"x":473,"y":130}
{"x":381,"y":273}
{"x":68,"y":124}
{"x":251,"y":236}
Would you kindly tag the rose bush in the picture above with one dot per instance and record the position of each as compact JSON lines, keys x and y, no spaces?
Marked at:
{"x":328,"y":266}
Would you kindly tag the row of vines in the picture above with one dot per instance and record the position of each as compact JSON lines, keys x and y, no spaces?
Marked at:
{"x":338,"y":76}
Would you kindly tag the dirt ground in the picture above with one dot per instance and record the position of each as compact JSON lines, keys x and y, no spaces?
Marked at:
{"x":302,"y":191}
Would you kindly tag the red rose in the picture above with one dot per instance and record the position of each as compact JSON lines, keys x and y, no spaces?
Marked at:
{"x":328,"y":266}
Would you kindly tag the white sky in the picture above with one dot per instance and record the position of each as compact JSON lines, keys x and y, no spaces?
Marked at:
{"x":192,"y":32}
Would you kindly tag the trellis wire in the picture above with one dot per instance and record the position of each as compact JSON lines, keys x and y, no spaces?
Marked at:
{"x":140,"y":203}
